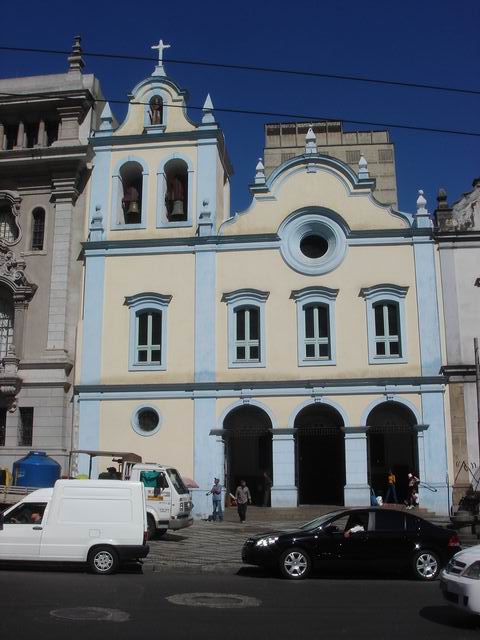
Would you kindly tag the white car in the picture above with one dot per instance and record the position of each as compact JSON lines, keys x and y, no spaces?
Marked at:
{"x":460,"y":580}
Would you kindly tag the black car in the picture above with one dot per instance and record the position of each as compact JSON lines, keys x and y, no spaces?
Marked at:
{"x":356,"y":539}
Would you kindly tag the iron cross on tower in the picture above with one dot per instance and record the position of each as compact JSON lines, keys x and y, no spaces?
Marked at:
{"x":160,"y":46}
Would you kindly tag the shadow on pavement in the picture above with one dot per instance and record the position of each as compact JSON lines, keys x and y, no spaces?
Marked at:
{"x":128,"y":567}
{"x":260,"y":572}
{"x":449,"y":617}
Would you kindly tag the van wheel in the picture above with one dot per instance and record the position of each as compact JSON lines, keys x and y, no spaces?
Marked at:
{"x":151,"y":526}
{"x":426,"y":565}
{"x":161,"y":532}
{"x":103,"y":560}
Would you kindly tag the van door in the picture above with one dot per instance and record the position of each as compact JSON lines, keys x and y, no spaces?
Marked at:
{"x":21,"y":536}
{"x":159,"y":496}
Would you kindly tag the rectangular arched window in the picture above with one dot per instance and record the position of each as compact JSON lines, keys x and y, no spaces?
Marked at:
{"x":387,"y":333}
{"x":247,"y":334}
{"x":317,"y":332}
{"x":38,"y":229}
{"x":149,"y":337}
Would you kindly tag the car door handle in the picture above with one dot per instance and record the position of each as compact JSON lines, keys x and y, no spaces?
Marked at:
{"x":37,"y":528}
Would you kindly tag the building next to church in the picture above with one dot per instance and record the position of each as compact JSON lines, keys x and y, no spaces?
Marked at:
{"x":301,"y":338}
{"x":458,"y":236}
{"x":45,"y":122}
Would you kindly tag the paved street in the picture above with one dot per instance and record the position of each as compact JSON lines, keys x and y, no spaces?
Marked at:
{"x":77,"y":605}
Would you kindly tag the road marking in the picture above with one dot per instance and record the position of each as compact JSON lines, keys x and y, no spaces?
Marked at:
{"x":214,"y":600}
{"x":91,"y":613}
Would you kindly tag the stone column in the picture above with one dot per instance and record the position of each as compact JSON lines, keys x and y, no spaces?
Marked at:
{"x":284,"y":490}
{"x":68,"y":131}
{"x":41,"y":137}
{"x":20,"y":309}
{"x":2,"y":136}
{"x":357,"y":490}
{"x":20,"y":136}
{"x":64,"y":196}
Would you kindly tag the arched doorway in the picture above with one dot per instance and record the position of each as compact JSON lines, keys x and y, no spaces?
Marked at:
{"x":248,"y":454}
{"x":392,"y":444}
{"x":320,"y":453}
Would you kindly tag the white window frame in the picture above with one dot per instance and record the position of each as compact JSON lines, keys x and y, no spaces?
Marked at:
{"x":136,"y":424}
{"x":387,"y":294}
{"x":236,"y":301}
{"x":305,"y":298}
{"x":117,"y":194}
{"x":138,"y":304}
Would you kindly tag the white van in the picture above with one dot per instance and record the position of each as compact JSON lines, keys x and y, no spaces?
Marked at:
{"x":98,"y":522}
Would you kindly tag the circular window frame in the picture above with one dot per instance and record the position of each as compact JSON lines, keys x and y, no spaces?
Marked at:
{"x":303,"y":224}
{"x":135,"y":422}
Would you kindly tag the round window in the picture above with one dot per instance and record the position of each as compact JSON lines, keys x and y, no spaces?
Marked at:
{"x":146,"y":421}
{"x":312,"y":243}
{"x":313,"y":246}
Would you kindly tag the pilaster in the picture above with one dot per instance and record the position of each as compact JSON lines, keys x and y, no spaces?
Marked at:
{"x":357,"y":490}
{"x":284,"y":491}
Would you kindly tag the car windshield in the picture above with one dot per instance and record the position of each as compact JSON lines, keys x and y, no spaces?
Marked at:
{"x":318,"y":522}
{"x":177,"y":481}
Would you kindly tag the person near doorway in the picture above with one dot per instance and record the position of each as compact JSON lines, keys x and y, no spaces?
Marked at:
{"x":267,"y":488}
{"x":392,"y":490}
{"x":243,"y":498}
{"x":216,"y":493}
{"x":412,"y":500}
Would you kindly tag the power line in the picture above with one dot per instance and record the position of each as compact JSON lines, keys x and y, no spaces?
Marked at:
{"x":270,"y":114}
{"x":237,"y":67}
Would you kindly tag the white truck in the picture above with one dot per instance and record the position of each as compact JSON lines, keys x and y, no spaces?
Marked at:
{"x":168,"y":500}
{"x":98,"y":522}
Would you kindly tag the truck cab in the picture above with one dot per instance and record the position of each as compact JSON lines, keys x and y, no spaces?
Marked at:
{"x":169,"y":504}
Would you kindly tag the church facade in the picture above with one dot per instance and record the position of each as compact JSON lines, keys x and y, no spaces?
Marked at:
{"x":301,"y":338}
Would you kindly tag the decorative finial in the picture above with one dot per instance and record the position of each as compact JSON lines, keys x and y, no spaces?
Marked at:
{"x":310,"y":141}
{"x":96,"y":225}
{"x":106,"y":119}
{"x":260,"y":172}
{"x":75,"y":60}
{"x":159,"y":70}
{"x":363,"y":168}
{"x":442,"y":202}
{"x":208,"y":117}
{"x":421,"y":202}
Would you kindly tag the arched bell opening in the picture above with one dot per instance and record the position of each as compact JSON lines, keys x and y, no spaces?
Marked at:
{"x":248,"y":450}
{"x":131,"y":177}
{"x":176,"y":190}
{"x":392,"y":444}
{"x":320,"y":455}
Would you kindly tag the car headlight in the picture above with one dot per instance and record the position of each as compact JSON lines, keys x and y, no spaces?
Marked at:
{"x":473,"y":571}
{"x":266,"y":542}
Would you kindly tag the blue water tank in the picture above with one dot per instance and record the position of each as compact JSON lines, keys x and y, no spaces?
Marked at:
{"x":36,"y":470}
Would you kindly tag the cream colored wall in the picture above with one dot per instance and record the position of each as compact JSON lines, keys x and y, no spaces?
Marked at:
{"x":283,"y":408}
{"x":153,"y":155}
{"x":176,"y":120}
{"x":168,"y":274}
{"x":363,"y":266}
{"x":297,"y":189}
{"x":172,"y":444}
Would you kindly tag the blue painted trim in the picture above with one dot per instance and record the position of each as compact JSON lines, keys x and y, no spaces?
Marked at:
{"x":147,"y":302}
{"x":391,"y":398}
{"x":161,"y":212}
{"x":385,"y":293}
{"x":92,"y":338}
{"x":205,"y":316}
{"x":135,"y":425}
{"x":100,"y":181}
{"x":310,"y":296}
{"x":88,"y":432}
{"x":207,"y":155}
{"x":115,"y":207}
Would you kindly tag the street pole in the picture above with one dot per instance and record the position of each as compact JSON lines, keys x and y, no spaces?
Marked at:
{"x":477,"y":381}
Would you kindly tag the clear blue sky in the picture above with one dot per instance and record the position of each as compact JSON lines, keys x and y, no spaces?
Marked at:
{"x":429,"y":41}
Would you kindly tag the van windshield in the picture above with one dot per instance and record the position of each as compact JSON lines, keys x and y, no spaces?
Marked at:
{"x":177,"y":481}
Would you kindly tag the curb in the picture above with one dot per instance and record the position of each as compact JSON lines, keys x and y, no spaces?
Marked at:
{"x":183,"y":567}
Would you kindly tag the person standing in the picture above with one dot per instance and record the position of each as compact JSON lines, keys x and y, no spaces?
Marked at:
{"x":392,"y":490}
{"x":243,"y":498}
{"x":412,"y":500}
{"x":216,"y":492}
{"x":267,"y":488}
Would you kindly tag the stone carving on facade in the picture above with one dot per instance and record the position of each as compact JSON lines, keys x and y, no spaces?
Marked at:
{"x":463,"y":215}
{"x":10,"y":202}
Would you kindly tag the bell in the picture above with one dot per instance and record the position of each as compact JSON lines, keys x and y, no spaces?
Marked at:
{"x":177,"y":210}
{"x":133,"y":208}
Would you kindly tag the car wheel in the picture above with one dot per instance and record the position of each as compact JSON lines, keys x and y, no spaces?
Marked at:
{"x":151,"y":526}
{"x":103,"y":560}
{"x":161,"y":532}
{"x":295,"y":564}
{"x":426,"y":565}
